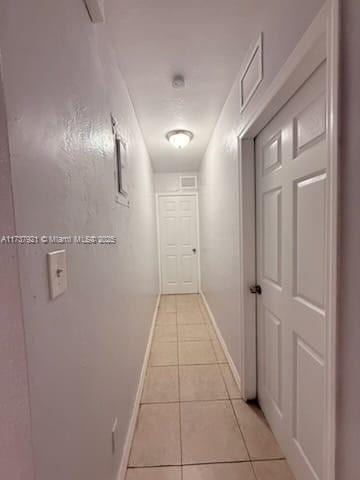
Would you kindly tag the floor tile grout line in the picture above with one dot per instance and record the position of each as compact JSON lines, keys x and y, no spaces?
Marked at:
{"x":238,"y":422}
{"x":206,"y":400}
{"x":244,"y":440}
{"x":191,"y":324}
{"x":187,"y":364}
{"x":230,"y":462}
{"x":198,"y":399}
{"x":180,"y":402}
{"x":187,"y":341}
{"x":212,"y":364}
{"x":273,"y":459}
{"x":179,"y":393}
{"x":199,"y":364}
{"x":207,"y":339}
{"x":191,"y":401}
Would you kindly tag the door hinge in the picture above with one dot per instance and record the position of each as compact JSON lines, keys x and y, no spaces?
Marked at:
{"x":256,"y":289}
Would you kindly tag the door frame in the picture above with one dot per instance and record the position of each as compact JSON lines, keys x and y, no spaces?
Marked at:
{"x":177,"y":194}
{"x":320,"y":42}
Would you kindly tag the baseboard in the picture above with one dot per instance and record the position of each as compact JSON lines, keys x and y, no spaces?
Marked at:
{"x":232,"y":366}
{"x":131,"y":430}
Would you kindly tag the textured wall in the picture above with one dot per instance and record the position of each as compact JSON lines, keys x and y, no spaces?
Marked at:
{"x":218,"y":176}
{"x":85,"y":349}
{"x":348,"y":414}
{"x":15,"y":431}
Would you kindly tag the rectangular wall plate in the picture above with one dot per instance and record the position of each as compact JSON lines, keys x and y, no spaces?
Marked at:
{"x":96,"y":10}
{"x":252,"y":73}
{"x":57,"y":271}
{"x":120,"y":165}
{"x":114,"y":436}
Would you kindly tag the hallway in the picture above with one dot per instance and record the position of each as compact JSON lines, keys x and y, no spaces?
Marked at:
{"x":179,"y":240}
{"x":191,"y":413}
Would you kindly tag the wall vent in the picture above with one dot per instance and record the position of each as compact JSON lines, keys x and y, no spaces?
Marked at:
{"x":188,"y":182}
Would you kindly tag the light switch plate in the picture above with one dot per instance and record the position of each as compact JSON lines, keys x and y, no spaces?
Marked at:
{"x":57,"y":273}
{"x":114,"y":436}
{"x":96,"y":10}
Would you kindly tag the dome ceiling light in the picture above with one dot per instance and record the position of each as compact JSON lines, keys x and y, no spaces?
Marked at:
{"x":180,"y":138}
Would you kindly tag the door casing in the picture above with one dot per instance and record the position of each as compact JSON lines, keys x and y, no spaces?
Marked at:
{"x":177,"y":194}
{"x":320,"y":42}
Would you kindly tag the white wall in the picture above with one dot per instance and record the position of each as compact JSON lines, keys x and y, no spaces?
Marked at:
{"x":218,"y":179}
{"x":15,"y":430}
{"x":85,"y":349}
{"x":170,"y":182}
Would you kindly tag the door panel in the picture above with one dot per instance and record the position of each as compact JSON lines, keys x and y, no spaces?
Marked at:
{"x":310,"y":239}
{"x":186,"y":231}
{"x":170,"y":231}
{"x":309,"y":389}
{"x":171,"y":269}
{"x":310,"y":124}
{"x":273,"y":354}
{"x":271,"y":219}
{"x":178,"y":238}
{"x":291,"y":166}
{"x":187,"y":269}
{"x":272,"y":154}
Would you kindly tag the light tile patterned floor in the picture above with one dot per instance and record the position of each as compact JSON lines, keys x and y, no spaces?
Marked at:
{"x":192,"y":423}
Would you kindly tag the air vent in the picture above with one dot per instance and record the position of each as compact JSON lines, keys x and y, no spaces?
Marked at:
{"x":188,"y":182}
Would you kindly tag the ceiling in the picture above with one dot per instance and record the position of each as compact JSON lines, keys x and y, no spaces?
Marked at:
{"x":204,"y":40}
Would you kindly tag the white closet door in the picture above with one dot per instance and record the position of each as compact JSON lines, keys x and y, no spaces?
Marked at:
{"x":178,"y":244}
{"x":291,"y":170}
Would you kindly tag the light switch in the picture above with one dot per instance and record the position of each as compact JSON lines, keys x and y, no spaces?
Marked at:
{"x":114,"y":436}
{"x":96,"y":10}
{"x":57,"y":273}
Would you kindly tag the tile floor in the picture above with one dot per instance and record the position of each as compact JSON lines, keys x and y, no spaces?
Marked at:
{"x":192,"y":423}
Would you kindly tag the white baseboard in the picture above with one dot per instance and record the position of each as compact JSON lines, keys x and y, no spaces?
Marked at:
{"x":232,"y":366}
{"x":131,"y":430}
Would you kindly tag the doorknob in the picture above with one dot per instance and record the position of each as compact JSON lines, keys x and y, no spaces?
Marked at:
{"x":256,"y":289}
{"x":194,"y":250}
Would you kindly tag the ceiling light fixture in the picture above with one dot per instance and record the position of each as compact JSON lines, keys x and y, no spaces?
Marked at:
{"x":180,"y":138}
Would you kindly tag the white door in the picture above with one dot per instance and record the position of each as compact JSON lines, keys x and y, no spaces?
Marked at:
{"x":178,"y":244}
{"x":291,"y":170}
